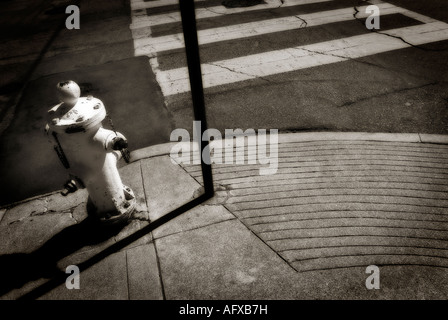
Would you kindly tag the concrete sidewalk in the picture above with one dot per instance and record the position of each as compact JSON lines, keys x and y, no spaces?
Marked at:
{"x":338,"y":203}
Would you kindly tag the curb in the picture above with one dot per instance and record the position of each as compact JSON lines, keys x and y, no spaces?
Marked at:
{"x":165,"y":148}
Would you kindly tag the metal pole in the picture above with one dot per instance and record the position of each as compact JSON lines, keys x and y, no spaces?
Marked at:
{"x":197,"y":92}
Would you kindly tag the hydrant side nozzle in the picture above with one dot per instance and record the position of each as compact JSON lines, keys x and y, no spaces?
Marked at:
{"x":108,"y":138}
{"x":69,"y":187}
{"x":119,"y":143}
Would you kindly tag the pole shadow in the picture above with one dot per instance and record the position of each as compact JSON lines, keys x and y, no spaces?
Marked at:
{"x":18,"y":269}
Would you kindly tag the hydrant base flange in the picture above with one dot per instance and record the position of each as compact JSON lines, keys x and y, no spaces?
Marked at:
{"x":123,"y":213}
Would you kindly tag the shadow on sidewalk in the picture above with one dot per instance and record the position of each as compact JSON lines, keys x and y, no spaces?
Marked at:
{"x":20,"y":268}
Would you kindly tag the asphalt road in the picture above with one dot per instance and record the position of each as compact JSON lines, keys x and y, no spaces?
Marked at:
{"x":400,"y":90}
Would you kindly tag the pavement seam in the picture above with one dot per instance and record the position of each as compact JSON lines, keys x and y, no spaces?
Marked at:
{"x":159,"y":267}
{"x":198,"y":227}
{"x":144,"y":190}
{"x":194,"y":178}
{"x":258,"y":237}
{"x":127,"y":272}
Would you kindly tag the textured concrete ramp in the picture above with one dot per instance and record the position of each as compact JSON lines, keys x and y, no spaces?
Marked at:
{"x":345,"y":202}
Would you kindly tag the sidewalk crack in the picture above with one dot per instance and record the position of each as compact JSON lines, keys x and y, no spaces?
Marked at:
{"x":162,"y":286}
{"x":127,"y":273}
{"x":72,"y":210}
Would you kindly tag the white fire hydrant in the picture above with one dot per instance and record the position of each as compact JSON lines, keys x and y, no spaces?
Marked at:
{"x":90,"y":153}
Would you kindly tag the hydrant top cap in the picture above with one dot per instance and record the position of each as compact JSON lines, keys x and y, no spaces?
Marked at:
{"x":86,"y":113}
{"x":68,"y":91}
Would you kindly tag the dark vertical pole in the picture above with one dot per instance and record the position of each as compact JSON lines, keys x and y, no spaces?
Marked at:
{"x":197,"y":92}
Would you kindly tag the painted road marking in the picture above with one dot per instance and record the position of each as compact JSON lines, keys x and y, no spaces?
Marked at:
{"x":278,"y":61}
{"x":139,"y":4}
{"x":151,"y":45}
{"x":145,"y":21}
{"x":176,"y":81}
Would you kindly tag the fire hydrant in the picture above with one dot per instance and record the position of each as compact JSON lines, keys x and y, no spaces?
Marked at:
{"x":90,"y":153}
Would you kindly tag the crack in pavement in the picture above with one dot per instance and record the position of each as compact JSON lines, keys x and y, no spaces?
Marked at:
{"x":69,"y":211}
{"x":137,"y":215}
{"x":355,"y":60}
{"x":72,"y":210}
{"x":391,"y":35}
{"x":253,"y":77}
{"x":349,"y":103}
{"x":304,"y":23}
{"x":215,"y":12}
{"x":282,"y":2}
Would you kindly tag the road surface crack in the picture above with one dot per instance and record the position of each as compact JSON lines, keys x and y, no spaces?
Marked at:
{"x":304,"y":23}
{"x":212,"y":11}
{"x":349,"y":103}
{"x":391,"y":35}
{"x":240,"y":72}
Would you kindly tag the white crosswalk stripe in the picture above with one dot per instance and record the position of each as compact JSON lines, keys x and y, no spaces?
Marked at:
{"x":274,"y":62}
{"x":144,"y":21}
{"x":150,"y":46}
{"x":139,"y":4}
{"x":279,"y":61}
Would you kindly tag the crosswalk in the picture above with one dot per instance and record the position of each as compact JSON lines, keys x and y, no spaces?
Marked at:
{"x":157,"y":33}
